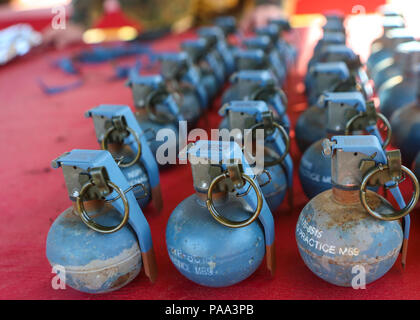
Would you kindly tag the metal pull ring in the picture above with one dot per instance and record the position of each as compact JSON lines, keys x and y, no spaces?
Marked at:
{"x":89,"y":221}
{"x":286,"y":139}
{"x":227,"y":222}
{"x":396,"y":214}
{"x":380,"y":116}
{"x":104,"y":146}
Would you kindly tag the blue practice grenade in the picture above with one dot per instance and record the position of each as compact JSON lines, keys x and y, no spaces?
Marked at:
{"x":258,"y":85}
{"x":244,"y":118}
{"x":389,"y":66}
{"x":156,"y":110}
{"x":214,"y":237}
{"x":277,"y":66}
{"x":405,"y":124}
{"x":329,"y":38}
{"x":211,"y":71}
{"x":381,"y":48}
{"x":90,"y":243}
{"x":327,"y":77}
{"x":401,"y":89}
{"x":347,"y":113}
{"x":116,"y":127}
{"x":184,"y":78}
{"x":254,"y":59}
{"x":219,"y":48}
{"x":286,"y":50}
{"x":349,"y":231}
{"x":340,"y":52}
{"x":275,"y":32}
{"x":334,"y":23}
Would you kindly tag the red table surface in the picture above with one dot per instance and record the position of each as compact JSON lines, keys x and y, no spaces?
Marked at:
{"x":36,"y":128}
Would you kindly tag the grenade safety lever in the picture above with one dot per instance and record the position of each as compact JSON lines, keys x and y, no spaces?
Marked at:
{"x":94,"y":175}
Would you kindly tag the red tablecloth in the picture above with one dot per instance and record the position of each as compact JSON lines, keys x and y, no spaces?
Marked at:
{"x":36,"y":128}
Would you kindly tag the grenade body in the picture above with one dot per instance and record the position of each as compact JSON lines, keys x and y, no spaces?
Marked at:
{"x":394,"y":97}
{"x":333,"y":238}
{"x":405,"y":124}
{"x":310,"y":127}
{"x":154,"y":127}
{"x":208,"y":253}
{"x":94,"y":262}
{"x":315,"y":171}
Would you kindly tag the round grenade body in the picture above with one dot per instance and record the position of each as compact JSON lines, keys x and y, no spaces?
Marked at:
{"x":310,"y":127}
{"x":315,"y":171}
{"x":334,"y":237}
{"x":394,"y":97}
{"x":208,"y":253}
{"x":405,"y":124}
{"x":154,"y":127}
{"x":94,"y":262}
{"x":275,"y":190}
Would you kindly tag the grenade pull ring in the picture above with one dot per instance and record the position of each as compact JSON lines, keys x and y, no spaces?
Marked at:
{"x":117,"y":127}
{"x":369,"y":118}
{"x":227,"y":222}
{"x":384,"y":170}
{"x":89,"y":221}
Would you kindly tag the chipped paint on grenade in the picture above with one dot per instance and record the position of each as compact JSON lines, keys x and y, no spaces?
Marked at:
{"x":333,"y":238}
{"x":96,"y":262}
{"x":335,"y":233}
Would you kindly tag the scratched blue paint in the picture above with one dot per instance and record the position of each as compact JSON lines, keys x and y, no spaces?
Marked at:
{"x":208,"y":253}
{"x":350,"y":226}
{"x":94,"y":262}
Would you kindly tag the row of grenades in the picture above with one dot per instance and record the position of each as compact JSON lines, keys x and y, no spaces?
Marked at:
{"x":101,"y":254}
{"x":345,"y":225}
{"x":204,"y":257}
